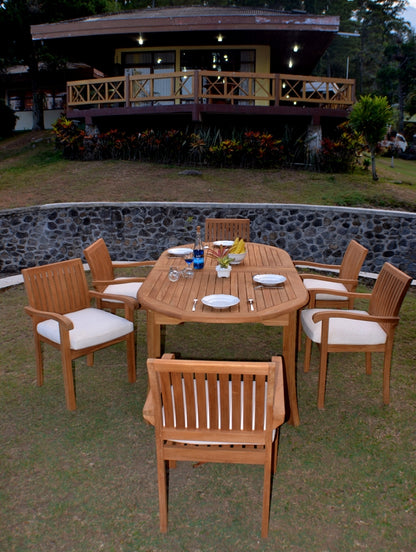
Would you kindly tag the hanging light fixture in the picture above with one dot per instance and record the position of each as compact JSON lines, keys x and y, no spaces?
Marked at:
{"x":140,"y":40}
{"x":220,"y":37}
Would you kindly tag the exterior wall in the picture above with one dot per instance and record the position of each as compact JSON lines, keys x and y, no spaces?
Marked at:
{"x":25,"y":118}
{"x":138,"y":231}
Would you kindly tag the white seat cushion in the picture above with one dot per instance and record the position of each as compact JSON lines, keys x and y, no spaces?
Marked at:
{"x":311,"y":283}
{"x":91,"y":327}
{"x":129,"y":289}
{"x":343,"y":331}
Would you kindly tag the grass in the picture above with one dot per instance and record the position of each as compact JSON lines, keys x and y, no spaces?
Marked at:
{"x":23,"y":167}
{"x":86,"y":481}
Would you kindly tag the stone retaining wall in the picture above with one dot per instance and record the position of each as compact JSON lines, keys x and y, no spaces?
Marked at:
{"x":138,"y":231}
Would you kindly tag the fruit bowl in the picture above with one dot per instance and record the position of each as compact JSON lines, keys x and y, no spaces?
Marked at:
{"x":237,"y":258}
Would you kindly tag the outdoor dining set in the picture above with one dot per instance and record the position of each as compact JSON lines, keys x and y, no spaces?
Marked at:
{"x":216,"y":410}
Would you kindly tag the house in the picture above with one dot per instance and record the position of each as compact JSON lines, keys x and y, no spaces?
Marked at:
{"x":16,"y":90}
{"x":216,"y":65}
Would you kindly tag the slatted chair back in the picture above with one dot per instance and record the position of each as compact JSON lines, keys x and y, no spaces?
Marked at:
{"x":388,"y":293}
{"x":352,"y":262}
{"x":216,"y":411}
{"x":99,"y":261}
{"x":226,"y":229}
{"x":59,"y":287}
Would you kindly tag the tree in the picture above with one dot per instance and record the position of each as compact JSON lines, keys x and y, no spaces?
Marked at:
{"x":370,"y":117}
{"x":16,"y":45}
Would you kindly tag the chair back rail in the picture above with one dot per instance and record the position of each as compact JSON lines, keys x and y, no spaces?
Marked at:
{"x":226,"y":229}
{"x":58,"y":287}
{"x":389,"y":291}
{"x":352,"y":261}
{"x":99,"y":261}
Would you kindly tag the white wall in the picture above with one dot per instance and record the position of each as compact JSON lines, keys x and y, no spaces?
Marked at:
{"x":25,"y":118}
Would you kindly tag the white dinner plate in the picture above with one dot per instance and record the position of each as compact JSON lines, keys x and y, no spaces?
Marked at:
{"x":220,"y":301}
{"x":179,"y":251}
{"x":269,"y":279}
{"x":224,"y":243}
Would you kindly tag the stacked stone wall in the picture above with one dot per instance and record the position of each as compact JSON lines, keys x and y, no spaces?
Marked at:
{"x":138,"y":231}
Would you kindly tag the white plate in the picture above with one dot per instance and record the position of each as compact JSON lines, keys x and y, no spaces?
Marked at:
{"x":179,"y":251}
{"x":220,"y":301}
{"x":224,"y":243}
{"x":269,"y":279}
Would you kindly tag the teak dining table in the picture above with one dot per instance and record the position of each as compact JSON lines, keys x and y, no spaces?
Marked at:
{"x":170,"y":303}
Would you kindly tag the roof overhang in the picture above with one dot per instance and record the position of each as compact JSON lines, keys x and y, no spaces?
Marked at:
{"x":177,"y":26}
{"x":165,"y":20}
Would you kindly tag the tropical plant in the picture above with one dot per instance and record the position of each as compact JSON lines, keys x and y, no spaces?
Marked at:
{"x":370,"y":117}
{"x":221,"y":256}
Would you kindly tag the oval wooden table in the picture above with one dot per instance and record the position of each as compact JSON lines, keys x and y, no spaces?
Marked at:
{"x":170,"y":303}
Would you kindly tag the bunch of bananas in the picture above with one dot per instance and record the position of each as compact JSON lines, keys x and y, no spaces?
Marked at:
{"x":238,"y":246}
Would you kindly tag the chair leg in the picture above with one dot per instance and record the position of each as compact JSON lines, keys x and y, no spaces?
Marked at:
{"x":131,"y":358}
{"x":90,"y":359}
{"x":322,"y":376}
{"x":308,"y":352}
{"x":386,"y":374}
{"x":163,"y":494}
{"x":68,"y":372}
{"x":39,"y":361}
{"x":368,"y":368}
{"x":299,"y":328}
{"x":267,"y":489}
{"x":275,"y":452}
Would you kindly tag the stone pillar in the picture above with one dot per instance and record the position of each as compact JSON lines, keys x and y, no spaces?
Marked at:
{"x":313,"y":142}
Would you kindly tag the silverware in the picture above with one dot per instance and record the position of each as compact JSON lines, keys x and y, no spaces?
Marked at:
{"x":194,"y":304}
{"x":251,"y":304}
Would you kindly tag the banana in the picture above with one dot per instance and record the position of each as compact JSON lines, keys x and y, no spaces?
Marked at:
{"x":238,"y":246}
{"x":233,"y":248}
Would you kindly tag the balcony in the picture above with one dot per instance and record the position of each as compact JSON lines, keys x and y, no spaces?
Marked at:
{"x":198,"y":92}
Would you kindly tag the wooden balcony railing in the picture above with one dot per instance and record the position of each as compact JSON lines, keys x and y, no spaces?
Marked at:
{"x":262,"y":89}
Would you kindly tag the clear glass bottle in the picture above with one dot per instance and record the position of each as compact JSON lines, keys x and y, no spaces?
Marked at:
{"x":198,"y":250}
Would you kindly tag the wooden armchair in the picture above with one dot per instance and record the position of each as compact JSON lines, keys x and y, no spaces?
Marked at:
{"x":103,"y":277}
{"x":215,"y":411}
{"x":226,"y":229}
{"x":61,"y":312}
{"x":356,"y":330}
{"x":347,"y":279}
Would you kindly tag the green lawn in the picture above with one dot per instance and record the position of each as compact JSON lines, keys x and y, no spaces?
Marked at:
{"x":85,"y":481}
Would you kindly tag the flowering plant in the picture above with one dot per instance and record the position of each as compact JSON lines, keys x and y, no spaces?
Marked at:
{"x":221,"y":256}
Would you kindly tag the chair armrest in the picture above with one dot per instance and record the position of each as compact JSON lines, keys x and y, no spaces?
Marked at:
{"x":128,"y":302}
{"x":123,"y":280}
{"x":349,"y":294}
{"x":313,"y":264}
{"x":129,"y":264}
{"x":46,"y":315}
{"x":279,"y":403}
{"x":149,"y":405}
{"x":325,"y":315}
{"x":327,"y":278}
{"x":149,"y":409}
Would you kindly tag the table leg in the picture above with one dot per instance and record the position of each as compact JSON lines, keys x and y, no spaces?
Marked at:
{"x":289,"y":358}
{"x":153,"y":336}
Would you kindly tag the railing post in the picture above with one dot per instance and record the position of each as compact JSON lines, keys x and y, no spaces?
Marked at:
{"x":127,"y":90}
{"x":277,"y":91}
{"x":195,"y":86}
